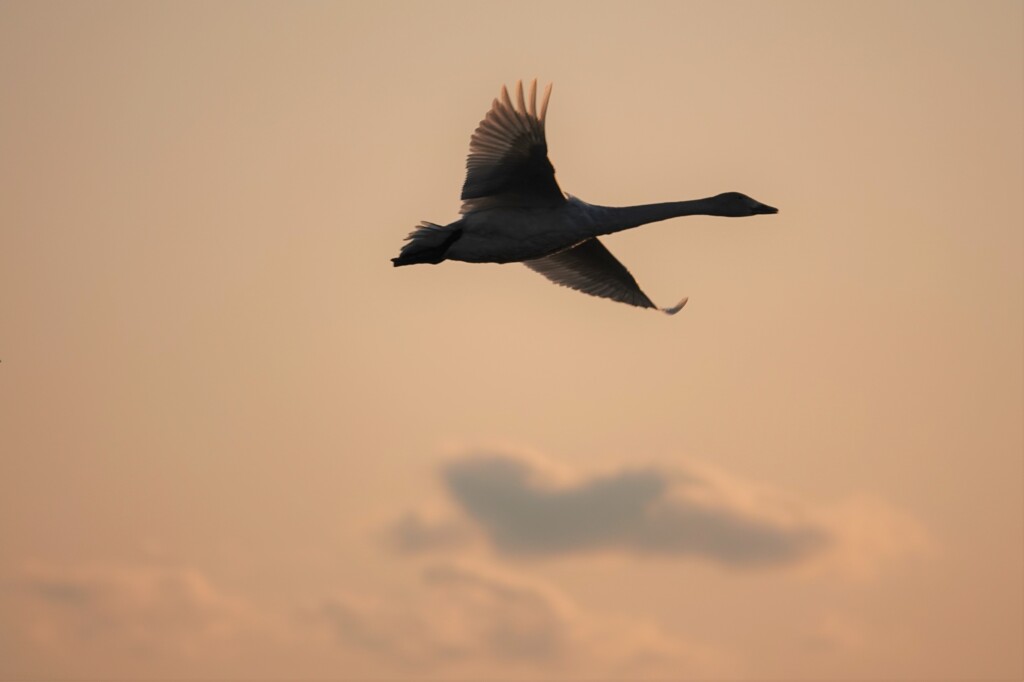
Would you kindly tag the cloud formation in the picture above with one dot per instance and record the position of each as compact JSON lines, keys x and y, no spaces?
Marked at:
{"x":459,"y":620}
{"x":146,"y":608}
{"x":414,"y":533}
{"x":471,"y":620}
{"x":462,"y":615}
{"x":525,"y":510}
{"x":514,"y":620}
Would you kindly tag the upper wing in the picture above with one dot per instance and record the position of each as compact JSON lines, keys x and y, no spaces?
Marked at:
{"x":589,"y":267}
{"x":508,"y":156}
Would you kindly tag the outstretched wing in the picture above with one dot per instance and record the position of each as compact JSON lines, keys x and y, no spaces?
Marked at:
{"x":591,"y":268}
{"x":508,"y":156}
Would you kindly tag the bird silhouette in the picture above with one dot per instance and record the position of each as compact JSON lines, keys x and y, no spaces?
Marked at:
{"x":513,"y":211}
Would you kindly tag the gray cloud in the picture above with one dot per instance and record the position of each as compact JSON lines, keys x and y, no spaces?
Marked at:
{"x":413,"y":533}
{"x":523,"y":512}
{"x":72,"y":590}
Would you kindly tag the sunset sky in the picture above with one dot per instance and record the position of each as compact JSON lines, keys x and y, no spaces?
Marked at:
{"x":235,"y":442}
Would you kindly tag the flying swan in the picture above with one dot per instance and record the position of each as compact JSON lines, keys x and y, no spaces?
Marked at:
{"x":514,"y":212}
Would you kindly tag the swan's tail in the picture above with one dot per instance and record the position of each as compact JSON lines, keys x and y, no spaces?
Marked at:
{"x":428,"y":243}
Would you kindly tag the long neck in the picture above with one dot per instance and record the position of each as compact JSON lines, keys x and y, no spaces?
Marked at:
{"x":615,"y":219}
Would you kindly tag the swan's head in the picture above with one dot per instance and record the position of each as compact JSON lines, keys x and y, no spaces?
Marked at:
{"x":734,"y":204}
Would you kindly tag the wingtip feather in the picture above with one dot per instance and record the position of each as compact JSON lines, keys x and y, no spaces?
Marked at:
{"x":676,"y":308}
{"x":544,"y":104}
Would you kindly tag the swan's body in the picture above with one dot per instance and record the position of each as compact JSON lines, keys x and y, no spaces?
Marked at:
{"x":513,"y":235}
{"x":513,"y":211}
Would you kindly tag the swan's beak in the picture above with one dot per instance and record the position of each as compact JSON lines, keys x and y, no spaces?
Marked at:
{"x":765,"y":208}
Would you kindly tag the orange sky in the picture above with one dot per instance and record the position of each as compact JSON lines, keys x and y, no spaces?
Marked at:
{"x":235,"y":442}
